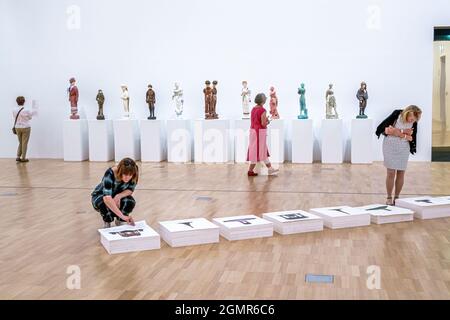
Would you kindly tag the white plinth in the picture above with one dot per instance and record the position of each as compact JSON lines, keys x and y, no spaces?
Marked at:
{"x":275,"y":140}
{"x":127,"y":139}
{"x":179,"y":140}
{"x":241,"y":139}
{"x":211,"y":141}
{"x":362,"y":141}
{"x":302,"y":141}
{"x":153,"y":140}
{"x":101,"y":140}
{"x":332,"y":141}
{"x":76,"y":142}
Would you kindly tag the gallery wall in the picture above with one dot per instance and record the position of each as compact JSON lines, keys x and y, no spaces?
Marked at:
{"x":388,"y":44}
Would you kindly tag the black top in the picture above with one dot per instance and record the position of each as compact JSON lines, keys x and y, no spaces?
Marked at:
{"x":390,"y":121}
{"x":110,"y":186}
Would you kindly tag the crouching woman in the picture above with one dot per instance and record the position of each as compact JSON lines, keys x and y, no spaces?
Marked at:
{"x":112,"y":198}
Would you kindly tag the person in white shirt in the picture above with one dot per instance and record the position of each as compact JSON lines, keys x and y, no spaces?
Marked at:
{"x":23,"y":127}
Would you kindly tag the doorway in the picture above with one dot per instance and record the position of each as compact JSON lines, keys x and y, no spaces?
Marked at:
{"x":441,"y":88}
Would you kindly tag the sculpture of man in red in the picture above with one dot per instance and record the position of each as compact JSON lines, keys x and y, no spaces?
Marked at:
{"x":73,"y":98}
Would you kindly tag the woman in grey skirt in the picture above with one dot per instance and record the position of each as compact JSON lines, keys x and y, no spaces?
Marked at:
{"x":400,"y":131}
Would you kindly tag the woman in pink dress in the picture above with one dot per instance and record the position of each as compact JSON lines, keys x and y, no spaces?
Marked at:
{"x":257,"y":148}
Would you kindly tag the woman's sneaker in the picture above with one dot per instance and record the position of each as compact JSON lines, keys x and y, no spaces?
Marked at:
{"x":252,"y":174}
{"x":272,"y":171}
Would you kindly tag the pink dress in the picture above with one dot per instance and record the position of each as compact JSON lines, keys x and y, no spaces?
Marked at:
{"x":257,"y":147}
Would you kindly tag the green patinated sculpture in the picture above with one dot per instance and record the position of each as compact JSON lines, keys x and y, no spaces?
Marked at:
{"x":303,"y":110}
{"x":100,"y":100}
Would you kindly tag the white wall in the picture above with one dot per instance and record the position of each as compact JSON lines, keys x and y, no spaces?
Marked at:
{"x":388,"y":44}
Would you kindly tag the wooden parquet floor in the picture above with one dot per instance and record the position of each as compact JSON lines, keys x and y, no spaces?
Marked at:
{"x":48,"y":224}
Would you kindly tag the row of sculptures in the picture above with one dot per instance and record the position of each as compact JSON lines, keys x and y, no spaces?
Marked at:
{"x":210,"y":95}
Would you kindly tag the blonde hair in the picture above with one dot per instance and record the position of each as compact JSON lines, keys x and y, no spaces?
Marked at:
{"x":415,"y":110}
{"x":127,"y":166}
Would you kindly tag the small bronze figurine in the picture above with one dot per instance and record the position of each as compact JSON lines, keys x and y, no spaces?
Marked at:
{"x":362,"y":97}
{"x":100,"y":100}
{"x":151,"y":100}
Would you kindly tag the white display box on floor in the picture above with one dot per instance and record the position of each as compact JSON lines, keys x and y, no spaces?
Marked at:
{"x":381,"y":214}
{"x":76,"y":140}
{"x":342,"y":217}
{"x":128,"y":238}
{"x":153,"y":140}
{"x":332,"y":141}
{"x":212,"y":141}
{"x":244,"y":227}
{"x":302,"y":141}
{"x":426,"y":207}
{"x":362,"y":141}
{"x":241,"y":140}
{"x":127,"y":139}
{"x":275,"y":140}
{"x":179,"y":140}
{"x":295,"y":221}
{"x":101,"y":140}
{"x":189,"y":232}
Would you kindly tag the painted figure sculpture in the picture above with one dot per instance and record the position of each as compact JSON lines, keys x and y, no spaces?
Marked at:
{"x":273,"y":104}
{"x":331,"y":112}
{"x":150,"y":98}
{"x":100,"y":100}
{"x":126,"y":101}
{"x":303,"y":110}
{"x":177,"y":97}
{"x":73,"y":98}
{"x":362,"y":97}
{"x":246,"y":100}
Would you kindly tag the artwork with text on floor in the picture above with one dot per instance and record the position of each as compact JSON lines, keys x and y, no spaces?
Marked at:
{"x":188,"y":232}
{"x":128,"y":238}
{"x":244,"y":227}
{"x":342,"y":217}
{"x":291,"y":222}
{"x":380,"y":214}
{"x":427,"y":207}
